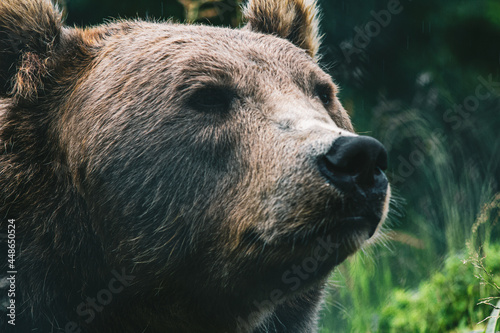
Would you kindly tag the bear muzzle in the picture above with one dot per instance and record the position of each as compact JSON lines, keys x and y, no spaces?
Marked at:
{"x":354,"y":165}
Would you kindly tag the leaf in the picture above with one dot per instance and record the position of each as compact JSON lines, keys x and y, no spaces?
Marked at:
{"x":492,"y":323}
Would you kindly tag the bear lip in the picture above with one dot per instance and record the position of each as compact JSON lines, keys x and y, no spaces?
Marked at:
{"x":362,"y":222}
{"x":341,"y":225}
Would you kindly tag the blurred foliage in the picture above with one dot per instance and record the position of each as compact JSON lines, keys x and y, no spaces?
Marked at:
{"x":446,"y":302}
{"x":417,"y":79}
{"x":90,"y":12}
{"x":454,"y":298}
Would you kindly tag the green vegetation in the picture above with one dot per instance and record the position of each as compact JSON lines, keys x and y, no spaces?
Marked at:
{"x":454,"y":298}
{"x":447,"y":301}
{"x":425,"y":84}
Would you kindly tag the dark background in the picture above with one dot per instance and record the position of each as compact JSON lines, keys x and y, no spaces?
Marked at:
{"x":417,"y":84}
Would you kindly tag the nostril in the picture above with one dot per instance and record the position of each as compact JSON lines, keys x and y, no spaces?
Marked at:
{"x":358,"y":159}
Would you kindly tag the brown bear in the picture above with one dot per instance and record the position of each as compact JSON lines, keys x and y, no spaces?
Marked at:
{"x":160,"y":177}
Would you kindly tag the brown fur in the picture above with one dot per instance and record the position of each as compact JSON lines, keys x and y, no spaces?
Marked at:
{"x":295,"y":20}
{"x":29,"y":31}
{"x":116,"y":157}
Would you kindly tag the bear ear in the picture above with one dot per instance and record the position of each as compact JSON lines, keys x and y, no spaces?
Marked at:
{"x":295,"y":20}
{"x":29,"y":32}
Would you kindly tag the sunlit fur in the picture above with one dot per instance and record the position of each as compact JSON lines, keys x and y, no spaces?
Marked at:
{"x":295,"y":20}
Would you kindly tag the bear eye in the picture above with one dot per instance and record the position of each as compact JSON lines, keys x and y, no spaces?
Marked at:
{"x":324,"y":93}
{"x":212,"y":99}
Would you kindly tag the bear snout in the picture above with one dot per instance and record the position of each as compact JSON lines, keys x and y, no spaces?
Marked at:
{"x":355,"y":163}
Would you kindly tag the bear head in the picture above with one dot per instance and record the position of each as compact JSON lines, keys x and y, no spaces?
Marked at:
{"x":217,"y":166}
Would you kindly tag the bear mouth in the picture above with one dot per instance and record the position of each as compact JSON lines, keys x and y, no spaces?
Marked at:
{"x":348,"y":231}
{"x":369,"y":223}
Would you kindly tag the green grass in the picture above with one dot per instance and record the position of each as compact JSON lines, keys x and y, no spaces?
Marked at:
{"x":371,"y":293}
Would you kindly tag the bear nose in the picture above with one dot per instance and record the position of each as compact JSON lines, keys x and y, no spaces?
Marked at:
{"x":355,"y":160}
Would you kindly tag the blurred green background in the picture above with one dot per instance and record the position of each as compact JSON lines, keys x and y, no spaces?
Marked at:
{"x":424,"y":79}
